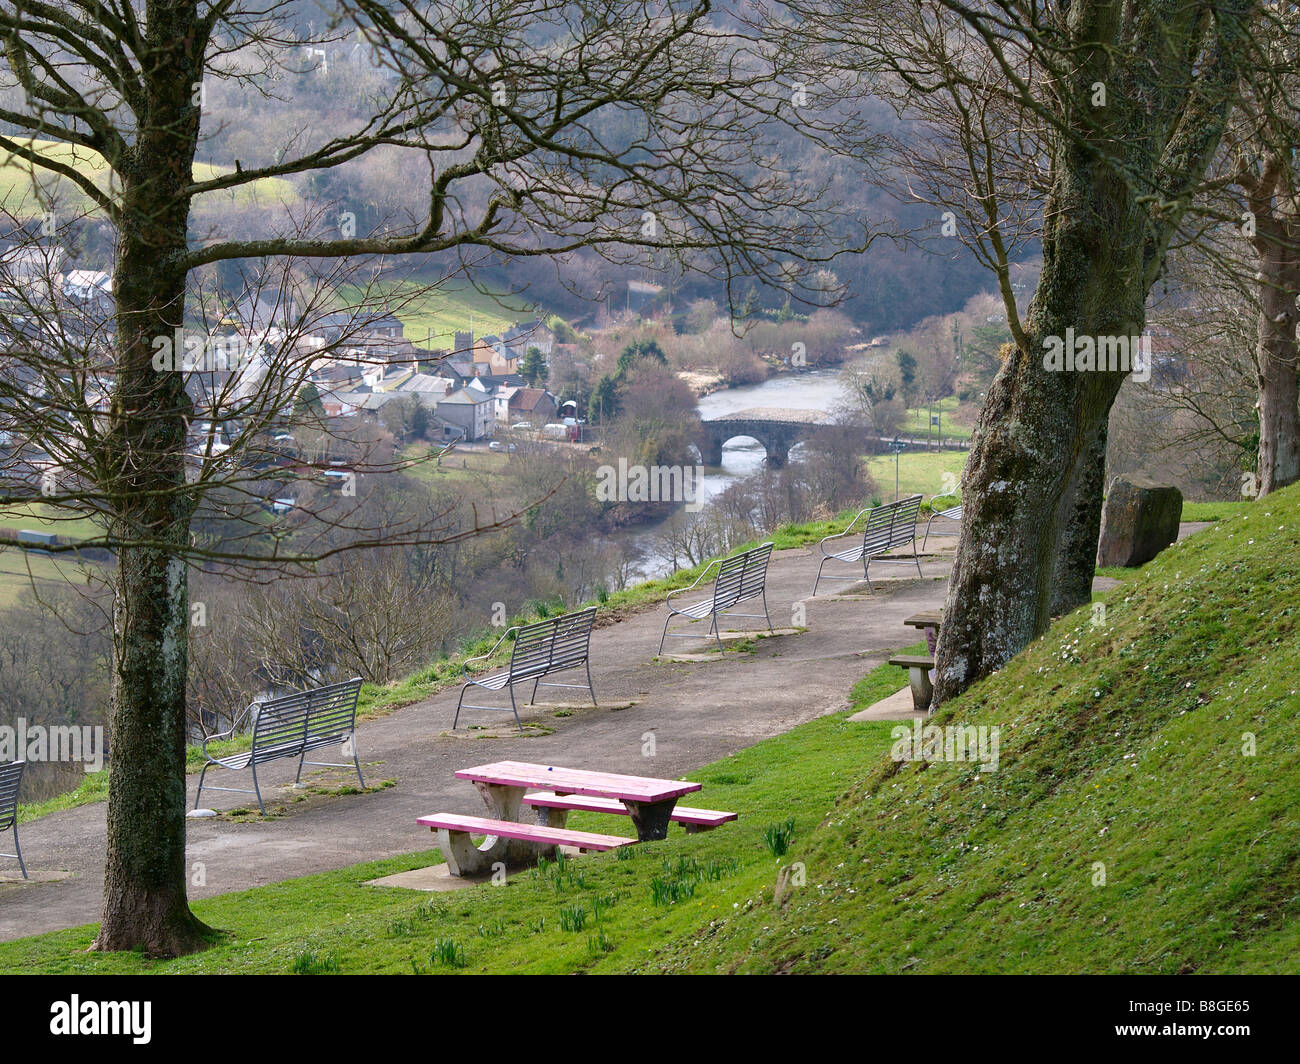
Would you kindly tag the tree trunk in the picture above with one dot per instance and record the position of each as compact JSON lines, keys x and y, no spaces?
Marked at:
{"x":1080,"y":527}
{"x":1279,"y":392}
{"x":1105,"y":236}
{"x":1039,"y":425}
{"x":145,"y":904}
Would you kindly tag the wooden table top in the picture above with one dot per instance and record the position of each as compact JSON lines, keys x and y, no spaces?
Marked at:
{"x":925,"y":619}
{"x":578,"y":781}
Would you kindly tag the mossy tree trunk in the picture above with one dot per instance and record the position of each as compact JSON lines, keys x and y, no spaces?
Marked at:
{"x":145,"y":904}
{"x":1124,"y":167}
{"x":1276,"y":352}
{"x":1080,"y":520}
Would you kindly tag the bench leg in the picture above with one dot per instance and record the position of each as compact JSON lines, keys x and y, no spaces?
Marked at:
{"x":590,"y":690}
{"x":18,"y":851}
{"x":922,"y":688}
{"x":664,"y":636}
{"x":502,"y":805}
{"x":819,"y":578}
{"x":202,"y":775}
{"x":258,"y":790}
{"x":456,"y":719}
{"x":651,"y":818}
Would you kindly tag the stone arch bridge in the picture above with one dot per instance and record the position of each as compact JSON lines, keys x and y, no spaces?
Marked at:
{"x":776,"y":429}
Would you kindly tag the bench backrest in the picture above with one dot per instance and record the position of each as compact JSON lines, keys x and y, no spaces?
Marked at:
{"x":906,"y":511}
{"x":551,"y":645}
{"x":573,"y":638}
{"x":893,"y":525}
{"x":10,"y":776}
{"x":288,"y":723}
{"x":753,"y":581}
{"x":731,"y":577}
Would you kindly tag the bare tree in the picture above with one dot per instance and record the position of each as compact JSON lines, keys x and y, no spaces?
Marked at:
{"x":535,"y":128}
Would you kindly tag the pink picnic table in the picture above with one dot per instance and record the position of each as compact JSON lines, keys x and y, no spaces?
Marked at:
{"x":649,"y":801}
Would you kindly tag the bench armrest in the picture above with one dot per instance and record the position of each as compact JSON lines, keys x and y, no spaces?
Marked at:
{"x":464,"y":665}
{"x":946,"y":495}
{"x":841,"y":535}
{"x":229,"y":733}
{"x":698,"y":579}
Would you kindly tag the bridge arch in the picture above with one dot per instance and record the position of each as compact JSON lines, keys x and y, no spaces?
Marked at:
{"x":777,"y":430}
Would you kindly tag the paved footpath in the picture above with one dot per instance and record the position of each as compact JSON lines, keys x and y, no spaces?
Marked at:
{"x":698,"y":711}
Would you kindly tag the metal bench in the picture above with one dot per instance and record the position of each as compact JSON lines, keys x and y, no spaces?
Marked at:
{"x":559,"y":805}
{"x":740,"y":578}
{"x":464,"y":858}
{"x":10,"y":776}
{"x":887,"y":528}
{"x":953,"y":513}
{"x":291,"y":726}
{"x":540,"y":649}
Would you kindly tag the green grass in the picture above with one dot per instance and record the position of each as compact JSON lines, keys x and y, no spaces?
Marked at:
{"x":917,"y":422}
{"x":18,"y":191}
{"x":433,"y":316}
{"x":920,"y":472}
{"x":19,"y":569}
{"x":38,"y":518}
{"x":1125,"y":829}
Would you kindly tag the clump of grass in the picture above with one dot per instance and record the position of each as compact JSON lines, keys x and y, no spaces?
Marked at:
{"x":492,"y":929}
{"x":599,"y":943}
{"x":681,"y":877}
{"x":449,"y":953}
{"x":573,"y":918}
{"x":315,"y":963}
{"x":778,"y":836}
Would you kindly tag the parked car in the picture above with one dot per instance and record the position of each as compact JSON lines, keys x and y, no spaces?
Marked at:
{"x":496,"y":445}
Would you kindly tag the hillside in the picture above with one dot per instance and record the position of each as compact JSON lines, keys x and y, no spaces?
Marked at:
{"x":1121,"y":745}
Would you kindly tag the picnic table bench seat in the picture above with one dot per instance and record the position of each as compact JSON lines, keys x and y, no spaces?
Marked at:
{"x":740,"y":578}
{"x":918,"y":668}
{"x":463,"y":857}
{"x":693,"y":819}
{"x":886,"y":528}
{"x":540,"y":649}
{"x":290,"y":726}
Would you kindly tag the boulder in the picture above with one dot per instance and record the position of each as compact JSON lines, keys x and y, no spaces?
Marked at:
{"x":1139,"y":520}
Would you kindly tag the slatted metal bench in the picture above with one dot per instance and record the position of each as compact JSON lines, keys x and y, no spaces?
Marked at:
{"x":11,"y":775}
{"x":740,"y":578}
{"x":541,"y":649}
{"x":291,"y":726}
{"x":918,"y":668}
{"x":886,"y":529}
{"x":464,"y":858}
{"x":952,"y":513}
{"x":556,"y":807}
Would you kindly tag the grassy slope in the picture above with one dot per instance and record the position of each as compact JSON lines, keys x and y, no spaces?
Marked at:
{"x":1121,"y":744}
{"x":432,"y":316}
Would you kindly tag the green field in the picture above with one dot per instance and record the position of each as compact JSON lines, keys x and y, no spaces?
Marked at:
{"x":917,"y":422}
{"x":918,"y":472}
{"x":19,"y":182}
{"x":432,"y":315}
